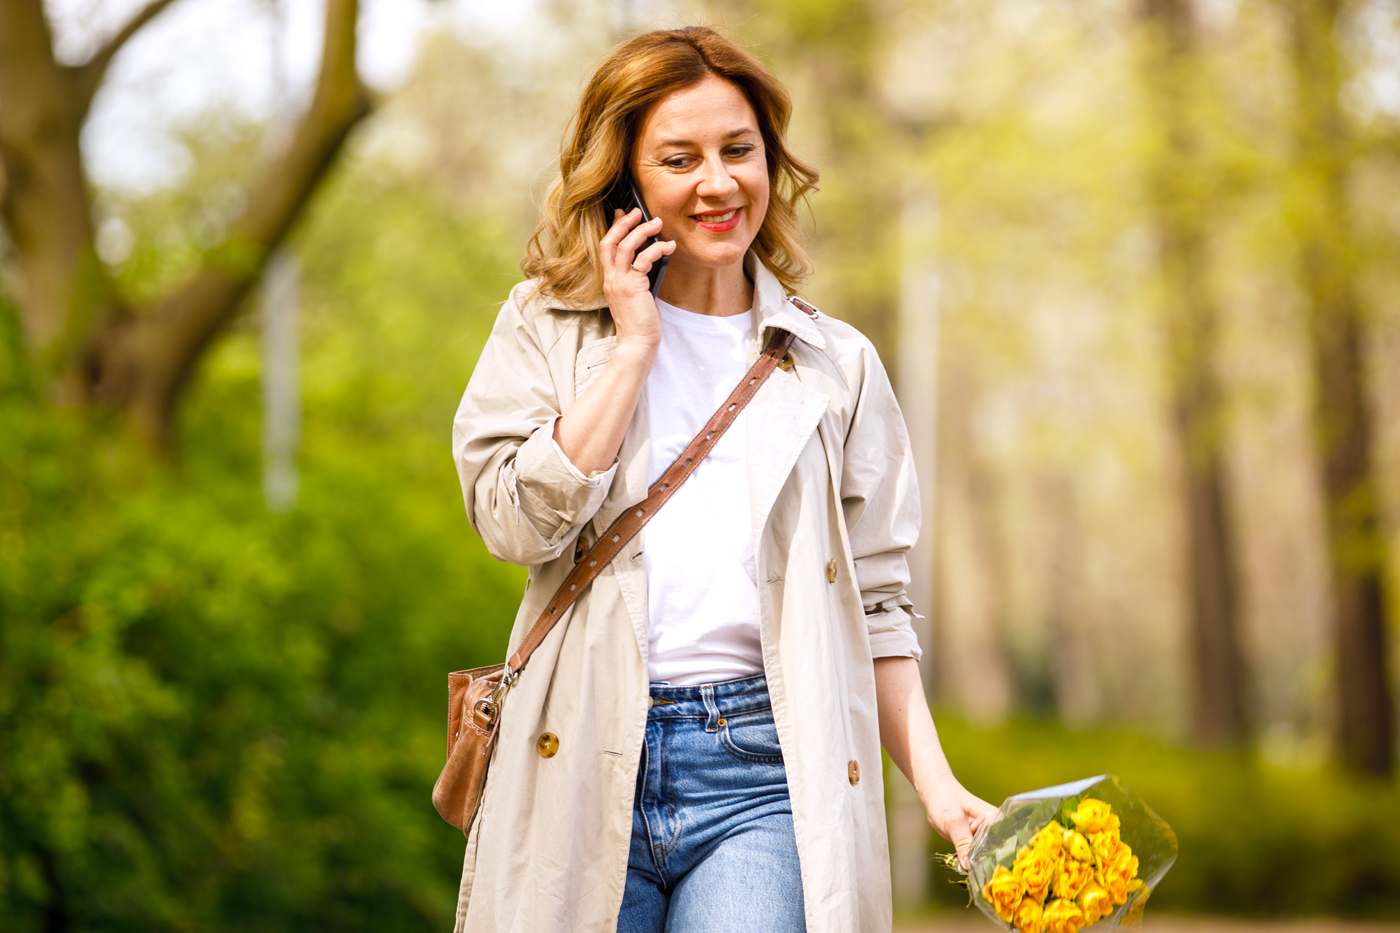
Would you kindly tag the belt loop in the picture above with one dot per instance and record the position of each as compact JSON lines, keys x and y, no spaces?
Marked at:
{"x":707,"y":694}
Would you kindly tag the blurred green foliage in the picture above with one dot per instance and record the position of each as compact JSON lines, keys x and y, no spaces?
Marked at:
{"x":215,"y":717}
{"x":1254,"y":837}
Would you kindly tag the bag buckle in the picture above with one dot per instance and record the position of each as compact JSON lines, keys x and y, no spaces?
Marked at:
{"x":508,"y":679}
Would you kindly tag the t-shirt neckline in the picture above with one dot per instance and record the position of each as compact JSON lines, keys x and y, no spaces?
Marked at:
{"x":740,"y":321}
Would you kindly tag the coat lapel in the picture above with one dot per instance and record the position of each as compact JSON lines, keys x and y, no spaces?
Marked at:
{"x":785,"y":412}
{"x":781,"y":419}
{"x":629,"y":487}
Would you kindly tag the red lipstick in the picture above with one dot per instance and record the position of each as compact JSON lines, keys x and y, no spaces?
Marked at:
{"x":719,"y":226}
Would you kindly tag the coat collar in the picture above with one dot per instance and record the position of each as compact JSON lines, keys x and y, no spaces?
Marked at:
{"x":773,"y":307}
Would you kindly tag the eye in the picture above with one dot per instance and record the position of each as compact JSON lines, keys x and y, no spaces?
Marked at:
{"x":740,"y":151}
{"x":680,"y":161}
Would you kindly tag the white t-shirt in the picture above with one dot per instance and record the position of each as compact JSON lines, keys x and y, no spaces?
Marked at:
{"x":702,"y":592}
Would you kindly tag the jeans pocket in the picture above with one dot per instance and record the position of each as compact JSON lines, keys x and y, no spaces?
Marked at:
{"x":752,"y":737}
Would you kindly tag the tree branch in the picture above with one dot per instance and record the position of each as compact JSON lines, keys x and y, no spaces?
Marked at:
{"x":180,"y":327}
{"x":88,"y":76}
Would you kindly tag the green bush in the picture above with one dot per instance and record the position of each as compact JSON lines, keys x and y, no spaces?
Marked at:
{"x":214,"y":717}
{"x":1254,"y":838}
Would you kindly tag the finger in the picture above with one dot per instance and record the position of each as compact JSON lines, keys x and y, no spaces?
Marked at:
{"x":622,"y":223}
{"x":609,"y":252}
{"x":981,"y":814}
{"x":633,"y":241}
{"x":607,"y":246}
{"x":960,"y":834}
{"x":653,"y":253}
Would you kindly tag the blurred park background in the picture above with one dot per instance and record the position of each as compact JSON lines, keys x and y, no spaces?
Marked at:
{"x":1133,"y":264}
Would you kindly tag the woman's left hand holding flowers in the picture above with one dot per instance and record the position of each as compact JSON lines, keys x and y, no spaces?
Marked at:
{"x":954,"y":813}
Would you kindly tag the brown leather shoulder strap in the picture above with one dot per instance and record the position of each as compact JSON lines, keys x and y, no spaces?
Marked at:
{"x":625,"y":527}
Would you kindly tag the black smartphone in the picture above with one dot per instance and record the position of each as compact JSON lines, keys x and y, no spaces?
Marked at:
{"x":625,"y":197}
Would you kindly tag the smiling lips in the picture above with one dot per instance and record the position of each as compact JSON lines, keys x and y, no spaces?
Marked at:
{"x":719,"y":221}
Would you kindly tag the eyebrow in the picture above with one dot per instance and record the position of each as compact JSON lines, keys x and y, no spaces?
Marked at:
{"x":742,"y":131}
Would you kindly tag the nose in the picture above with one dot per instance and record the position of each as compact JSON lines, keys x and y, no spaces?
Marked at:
{"x":716,"y":183}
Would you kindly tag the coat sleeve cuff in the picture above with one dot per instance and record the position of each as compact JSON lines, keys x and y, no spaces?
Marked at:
{"x":892,"y":632}
{"x":555,"y":493}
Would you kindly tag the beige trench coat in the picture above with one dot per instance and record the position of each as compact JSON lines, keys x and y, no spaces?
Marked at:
{"x":834,"y":508}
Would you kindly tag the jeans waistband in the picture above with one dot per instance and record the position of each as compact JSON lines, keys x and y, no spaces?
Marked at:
{"x":709,"y":701}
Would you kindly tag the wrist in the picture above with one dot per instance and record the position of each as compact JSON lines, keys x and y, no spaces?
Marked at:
{"x":935,"y":786}
{"x":635,"y":354}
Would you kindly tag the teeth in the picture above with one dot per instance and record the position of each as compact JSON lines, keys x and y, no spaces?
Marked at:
{"x":721,"y":218}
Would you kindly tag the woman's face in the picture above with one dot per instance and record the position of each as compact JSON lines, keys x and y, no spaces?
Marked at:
{"x":701,"y":168}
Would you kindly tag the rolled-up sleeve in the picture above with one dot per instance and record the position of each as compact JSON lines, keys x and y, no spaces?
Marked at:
{"x":880,"y":499}
{"x":522,"y":494}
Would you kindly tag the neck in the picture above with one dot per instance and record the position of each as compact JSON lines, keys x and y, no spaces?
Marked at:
{"x":702,"y":290}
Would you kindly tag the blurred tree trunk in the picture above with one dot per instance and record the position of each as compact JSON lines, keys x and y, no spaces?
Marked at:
{"x":972,"y":668}
{"x":1343,"y":423}
{"x":1078,"y":698}
{"x":92,"y":347}
{"x":47,"y":207}
{"x":1219,"y":709}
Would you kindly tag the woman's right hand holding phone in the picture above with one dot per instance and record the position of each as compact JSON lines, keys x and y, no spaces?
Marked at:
{"x":626,"y":261}
{"x":590,"y":433}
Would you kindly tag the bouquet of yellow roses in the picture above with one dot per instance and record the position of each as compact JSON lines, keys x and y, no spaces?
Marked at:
{"x":1063,"y":858}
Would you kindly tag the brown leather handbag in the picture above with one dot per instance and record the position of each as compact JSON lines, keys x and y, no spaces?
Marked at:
{"x":474,"y":697}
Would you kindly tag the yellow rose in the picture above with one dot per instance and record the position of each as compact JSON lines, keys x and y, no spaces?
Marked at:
{"x":1064,"y":916}
{"x":1092,"y":815}
{"x":1124,"y":862}
{"x":1105,"y":845}
{"x":1050,"y":841}
{"x":1030,"y":916}
{"x":1071,"y":878}
{"x":1117,"y":877}
{"x":1004,"y":892}
{"x":1078,"y":847}
{"x":1115,"y":887}
{"x":1095,"y":903}
{"x":1037,"y":870}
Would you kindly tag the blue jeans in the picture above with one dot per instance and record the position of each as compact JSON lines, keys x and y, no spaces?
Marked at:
{"x":713,"y":849}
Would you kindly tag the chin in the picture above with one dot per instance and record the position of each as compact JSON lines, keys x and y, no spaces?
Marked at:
{"x":718,"y":256}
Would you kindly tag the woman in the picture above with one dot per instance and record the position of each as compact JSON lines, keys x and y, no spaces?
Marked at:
{"x":698,"y":746}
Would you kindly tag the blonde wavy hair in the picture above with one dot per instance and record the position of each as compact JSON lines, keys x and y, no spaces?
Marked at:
{"x":598,"y":148}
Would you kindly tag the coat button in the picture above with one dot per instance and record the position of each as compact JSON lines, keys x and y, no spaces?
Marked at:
{"x":853,"y":771}
{"x":831,"y":571}
{"x":548,"y":744}
{"x":786,"y":364}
